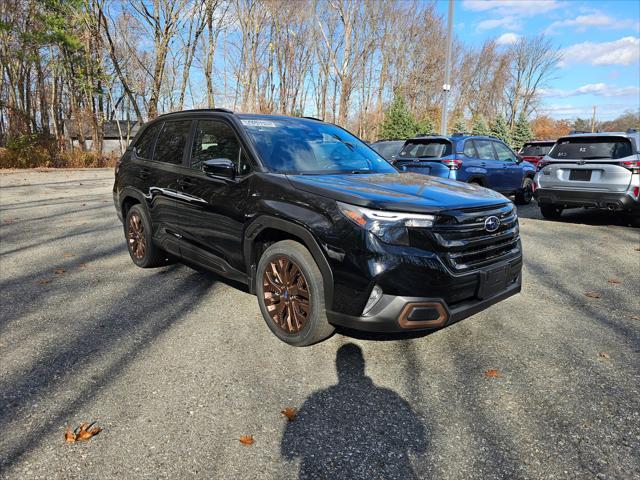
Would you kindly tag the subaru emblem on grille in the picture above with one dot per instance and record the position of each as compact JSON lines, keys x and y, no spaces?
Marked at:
{"x":491,"y":224}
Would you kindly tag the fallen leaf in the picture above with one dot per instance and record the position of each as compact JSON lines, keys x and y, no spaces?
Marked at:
{"x":246,"y":439}
{"x":8,"y":221}
{"x":592,"y":294}
{"x":635,"y":317}
{"x":44,"y":281}
{"x":82,"y":265}
{"x":290,"y":413}
{"x":68,"y":255}
{"x":604,"y":355}
{"x":614,"y":281}
{"x":491,"y":373}
{"x":87,"y":431}
{"x":69,"y":436}
{"x":637,"y":249}
{"x":59,"y":271}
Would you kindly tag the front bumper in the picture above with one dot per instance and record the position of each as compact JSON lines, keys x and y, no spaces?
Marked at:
{"x":582,"y":198}
{"x":395,"y":313}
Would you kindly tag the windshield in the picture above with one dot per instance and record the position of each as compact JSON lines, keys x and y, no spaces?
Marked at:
{"x":426,"y":149}
{"x":592,"y":148}
{"x":536,"y":149}
{"x":299,"y":146}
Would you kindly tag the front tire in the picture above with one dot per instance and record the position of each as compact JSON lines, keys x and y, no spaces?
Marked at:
{"x":138,"y":232}
{"x":524,"y":196}
{"x":290,"y":292}
{"x":550,"y":212}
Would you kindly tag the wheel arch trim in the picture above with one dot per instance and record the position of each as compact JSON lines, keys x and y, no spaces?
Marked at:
{"x":264,"y":222}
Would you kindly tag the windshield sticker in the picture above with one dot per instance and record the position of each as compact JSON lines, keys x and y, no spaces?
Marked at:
{"x":258,"y":123}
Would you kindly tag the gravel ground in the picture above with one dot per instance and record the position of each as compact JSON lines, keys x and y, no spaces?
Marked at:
{"x":175,"y":365}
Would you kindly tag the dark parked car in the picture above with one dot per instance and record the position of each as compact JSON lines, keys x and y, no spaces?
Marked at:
{"x":389,"y":149}
{"x":320,"y":227}
{"x":481,"y":160}
{"x":533,"y":151}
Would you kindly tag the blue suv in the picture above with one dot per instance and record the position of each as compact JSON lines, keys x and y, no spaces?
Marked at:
{"x":481,"y":160}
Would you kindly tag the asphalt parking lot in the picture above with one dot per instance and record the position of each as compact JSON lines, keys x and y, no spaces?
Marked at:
{"x":176,"y":365}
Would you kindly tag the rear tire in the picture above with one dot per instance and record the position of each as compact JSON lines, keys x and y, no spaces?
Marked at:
{"x":138,"y":232}
{"x":550,"y":212}
{"x":524,"y":196}
{"x":290,"y":292}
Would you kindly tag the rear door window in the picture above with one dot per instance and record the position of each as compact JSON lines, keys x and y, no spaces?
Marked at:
{"x":426,"y":149}
{"x":146,"y":142}
{"x":469,"y":149}
{"x":594,"y":148}
{"x":172,"y":142}
{"x":484,"y":149}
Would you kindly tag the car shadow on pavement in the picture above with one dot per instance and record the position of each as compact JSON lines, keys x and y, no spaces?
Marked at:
{"x":100,"y":348}
{"x":582,"y":216}
{"x":355,"y":429}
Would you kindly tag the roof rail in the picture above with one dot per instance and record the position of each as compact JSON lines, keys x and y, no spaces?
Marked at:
{"x":632,"y":130}
{"x":313,"y":118}
{"x":221,"y":110}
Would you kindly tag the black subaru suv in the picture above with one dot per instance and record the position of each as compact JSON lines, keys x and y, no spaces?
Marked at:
{"x":318,"y":225}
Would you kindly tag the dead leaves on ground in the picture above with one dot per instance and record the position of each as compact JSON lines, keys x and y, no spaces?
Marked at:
{"x":67,"y":255}
{"x":246,"y":439}
{"x":592,"y":294}
{"x":44,"y":281}
{"x":635,"y":317}
{"x":492,"y":373}
{"x":83,"y":432}
{"x":604,"y":355}
{"x":290,"y":413}
{"x":59,"y":271}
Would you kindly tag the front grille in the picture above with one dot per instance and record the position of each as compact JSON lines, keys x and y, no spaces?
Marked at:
{"x":464,"y":244}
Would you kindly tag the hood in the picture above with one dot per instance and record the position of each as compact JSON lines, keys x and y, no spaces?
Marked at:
{"x":409,"y":192}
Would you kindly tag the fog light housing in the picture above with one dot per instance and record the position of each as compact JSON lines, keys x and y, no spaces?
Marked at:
{"x":374,"y":297}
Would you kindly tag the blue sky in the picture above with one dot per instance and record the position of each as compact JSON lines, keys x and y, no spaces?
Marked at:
{"x":600,"y":42}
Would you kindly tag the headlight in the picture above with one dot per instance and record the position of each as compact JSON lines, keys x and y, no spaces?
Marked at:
{"x":390,"y":227}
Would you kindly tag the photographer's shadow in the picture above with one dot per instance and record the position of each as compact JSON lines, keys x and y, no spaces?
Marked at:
{"x":355,"y":429}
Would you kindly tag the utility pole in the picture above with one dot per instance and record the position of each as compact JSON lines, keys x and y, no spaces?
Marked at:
{"x":447,"y":71}
{"x":593,"y":120}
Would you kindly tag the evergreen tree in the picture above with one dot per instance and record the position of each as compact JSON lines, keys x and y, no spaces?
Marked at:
{"x":459,"y":126}
{"x":500,"y":129}
{"x":480,"y":126}
{"x":425,"y":126}
{"x":398,"y":122}
{"x":521,"y":133}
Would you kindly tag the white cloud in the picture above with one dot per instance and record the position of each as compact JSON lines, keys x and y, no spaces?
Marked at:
{"x":519,"y":7}
{"x":598,"y":89}
{"x":510,"y":22}
{"x":624,"y":51}
{"x":508,"y":38}
{"x":591,"y":20}
{"x":604,"y":111}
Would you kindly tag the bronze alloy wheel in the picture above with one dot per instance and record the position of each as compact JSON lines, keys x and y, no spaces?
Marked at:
{"x":135,"y":236}
{"x":286,"y":294}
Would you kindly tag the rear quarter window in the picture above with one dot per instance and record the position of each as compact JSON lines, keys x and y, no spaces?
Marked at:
{"x":145,"y":144}
{"x":592,"y":148}
{"x":426,"y":149}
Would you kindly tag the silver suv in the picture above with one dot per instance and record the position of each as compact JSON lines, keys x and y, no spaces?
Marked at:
{"x":592,"y":170}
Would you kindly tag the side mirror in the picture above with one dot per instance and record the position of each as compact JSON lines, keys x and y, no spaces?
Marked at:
{"x":519,"y":159}
{"x":219,"y":167}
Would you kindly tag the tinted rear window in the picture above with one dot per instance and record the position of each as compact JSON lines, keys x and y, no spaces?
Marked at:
{"x":171,"y":142}
{"x":426,"y":149}
{"x":532,"y":150}
{"x":592,"y":148}
{"x":387,"y":149}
